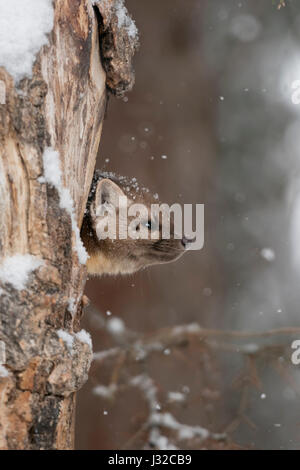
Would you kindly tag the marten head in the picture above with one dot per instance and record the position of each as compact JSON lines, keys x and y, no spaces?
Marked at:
{"x":121,"y":232}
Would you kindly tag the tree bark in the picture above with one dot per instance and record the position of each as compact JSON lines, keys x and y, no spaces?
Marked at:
{"x":61,"y":106}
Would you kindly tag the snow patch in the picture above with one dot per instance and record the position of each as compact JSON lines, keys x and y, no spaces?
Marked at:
{"x":115,"y":326}
{"x":245,"y":27}
{"x":268,"y":254}
{"x":53,"y":176}
{"x":3,"y":371}
{"x":124,"y":19}
{"x":52,"y":171}
{"x":158,"y":419}
{"x":184,"y":431}
{"x":250,"y":348}
{"x":67,"y":338}
{"x":105,"y":392}
{"x":15,"y":270}
{"x":72,"y":306}
{"x":107,"y":353}
{"x":176,"y":397}
{"x":147,"y":386}
{"x":84,"y":337}
{"x":191,"y":328}
{"x":24,"y":25}
{"x":159,"y":441}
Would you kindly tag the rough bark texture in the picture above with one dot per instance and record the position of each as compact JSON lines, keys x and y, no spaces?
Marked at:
{"x":62,"y":105}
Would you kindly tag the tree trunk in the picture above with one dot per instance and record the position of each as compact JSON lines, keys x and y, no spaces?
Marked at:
{"x":50,"y":126}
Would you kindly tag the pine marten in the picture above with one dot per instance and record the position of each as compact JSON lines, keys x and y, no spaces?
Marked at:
{"x":124,"y":256}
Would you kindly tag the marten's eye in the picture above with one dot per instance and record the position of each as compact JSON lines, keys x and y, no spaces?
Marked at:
{"x":148,"y":224}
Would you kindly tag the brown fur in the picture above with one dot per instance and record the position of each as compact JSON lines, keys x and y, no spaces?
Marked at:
{"x":124,"y":256}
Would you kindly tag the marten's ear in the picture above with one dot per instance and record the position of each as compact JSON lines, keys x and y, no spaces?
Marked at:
{"x":108,"y":192}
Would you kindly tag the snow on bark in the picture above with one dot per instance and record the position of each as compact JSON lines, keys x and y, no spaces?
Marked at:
{"x":53,"y":176}
{"x":16,"y":270}
{"x":24,"y":25}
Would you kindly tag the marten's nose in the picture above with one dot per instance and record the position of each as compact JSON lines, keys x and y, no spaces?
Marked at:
{"x":186,"y":241}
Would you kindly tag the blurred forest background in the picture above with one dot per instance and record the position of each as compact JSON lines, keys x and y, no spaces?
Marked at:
{"x":213,"y":93}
